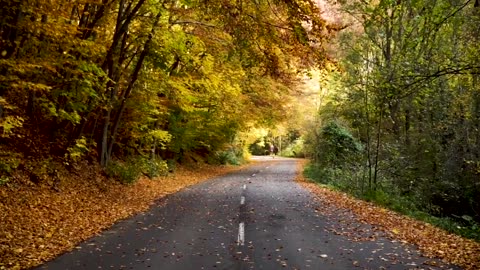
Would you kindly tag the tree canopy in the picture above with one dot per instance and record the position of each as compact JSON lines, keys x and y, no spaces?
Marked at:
{"x":112,"y":78}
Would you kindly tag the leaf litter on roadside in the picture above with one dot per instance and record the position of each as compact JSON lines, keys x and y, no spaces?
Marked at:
{"x":37,"y":223}
{"x":433,"y":242}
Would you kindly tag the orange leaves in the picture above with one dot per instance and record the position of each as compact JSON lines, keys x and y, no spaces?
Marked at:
{"x":38,"y":223}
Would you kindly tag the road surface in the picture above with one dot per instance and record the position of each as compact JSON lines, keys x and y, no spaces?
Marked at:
{"x":257,"y":218}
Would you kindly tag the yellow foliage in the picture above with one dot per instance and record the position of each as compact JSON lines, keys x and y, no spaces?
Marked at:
{"x":8,"y":123}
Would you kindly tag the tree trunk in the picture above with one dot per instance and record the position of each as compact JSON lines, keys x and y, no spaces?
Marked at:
{"x":407,"y":127}
{"x":131,"y":84}
{"x":104,"y":158}
{"x":377,"y":150}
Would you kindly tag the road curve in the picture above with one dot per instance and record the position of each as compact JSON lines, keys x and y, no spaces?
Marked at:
{"x":257,"y":218}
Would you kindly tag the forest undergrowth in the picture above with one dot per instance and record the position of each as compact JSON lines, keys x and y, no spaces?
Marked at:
{"x":432,"y":241}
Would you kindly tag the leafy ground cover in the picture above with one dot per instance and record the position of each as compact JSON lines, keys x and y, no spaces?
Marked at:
{"x":386,"y":196}
{"x":432,"y":241}
{"x":39,"y":222}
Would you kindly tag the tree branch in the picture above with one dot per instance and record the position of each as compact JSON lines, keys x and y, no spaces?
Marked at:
{"x":195,"y":22}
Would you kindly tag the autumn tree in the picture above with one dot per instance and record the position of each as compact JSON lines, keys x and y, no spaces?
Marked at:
{"x":406,"y":88}
{"x":161,"y":79}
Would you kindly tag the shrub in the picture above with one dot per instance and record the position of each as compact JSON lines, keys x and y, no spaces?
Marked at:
{"x":154,"y":167}
{"x":130,"y":170}
{"x":233,"y":156}
{"x":8,"y":163}
{"x":337,"y":145}
{"x":127,"y":172}
{"x":227,"y":157}
{"x":78,"y":151}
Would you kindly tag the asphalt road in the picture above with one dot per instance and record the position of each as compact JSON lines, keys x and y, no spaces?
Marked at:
{"x":257,"y":218}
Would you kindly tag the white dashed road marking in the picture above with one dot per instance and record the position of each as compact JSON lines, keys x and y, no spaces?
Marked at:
{"x":241,"y":234}
{"x":241,"y":226}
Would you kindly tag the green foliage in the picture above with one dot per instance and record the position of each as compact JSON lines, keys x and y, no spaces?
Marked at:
{"x":405,"y":89}
{"x":179,"y":82}
{"x":259,"y":147}
{"x":126,"y":172}
{"x":340,"y":179}
{"x":43,"y":170}
{"x":464,"y":225}
{"x":348,"y":179}
{"x":8,"y":163}
{"x":337,"y":146}
{"x":227,"y":157}
{"x":327,"y":176}
{"x":78,"y":150}
{"x":160,"y":137}
{"x":340,"y":139}
{"x":233,"y":156}
{"x":153,"y":167}
{"x":8,"y":123}
{"x":4,"y":179}
{"x":314,"y":172}
{"x":132,"y":168}
{"x":295,"y":149}
{"x":171,"y":165}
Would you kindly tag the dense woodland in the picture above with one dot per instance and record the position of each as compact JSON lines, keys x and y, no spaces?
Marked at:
{"x":399,"y":121}
{"x":136,"y":83}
